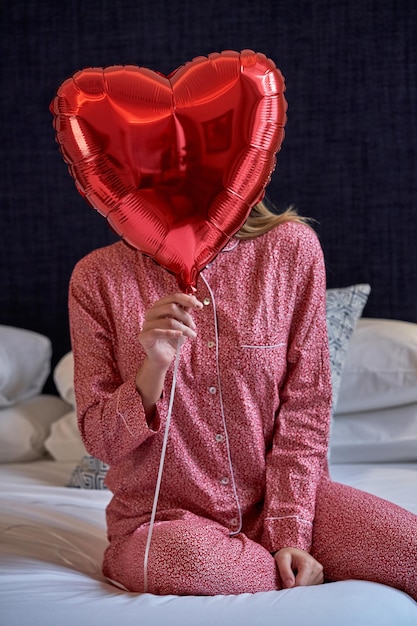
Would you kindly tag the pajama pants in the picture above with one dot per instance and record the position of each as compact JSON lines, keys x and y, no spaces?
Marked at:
{"x":355,"y":536}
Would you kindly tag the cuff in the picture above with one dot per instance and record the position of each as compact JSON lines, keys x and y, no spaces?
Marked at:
{"x":285,"y":532}
{"x":129,"y":409}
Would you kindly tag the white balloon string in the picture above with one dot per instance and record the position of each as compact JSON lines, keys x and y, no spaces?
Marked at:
{"x":161,"y":467}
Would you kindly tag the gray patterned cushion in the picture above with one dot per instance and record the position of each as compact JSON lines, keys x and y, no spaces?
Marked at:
{"x":344,"y":307}
{"x":90,"y":473}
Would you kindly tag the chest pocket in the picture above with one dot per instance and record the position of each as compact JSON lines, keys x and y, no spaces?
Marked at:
{"x":255,"y":348}
{"x":267,"y":359}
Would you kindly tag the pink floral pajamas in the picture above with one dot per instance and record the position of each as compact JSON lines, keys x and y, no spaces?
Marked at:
{"x":246,"y":462}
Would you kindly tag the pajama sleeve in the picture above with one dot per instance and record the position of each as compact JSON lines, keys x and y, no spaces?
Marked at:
{"x":111,"y":417}
{"x":298,"y":456}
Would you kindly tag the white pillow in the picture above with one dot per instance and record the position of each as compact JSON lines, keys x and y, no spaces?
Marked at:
{"x":64,"y":442}
{"x":25,"y":363}
{"x":381,"y":366}
{"x":64,"y":378}
{"x":384,"y":436}
{"x":25,"y":426}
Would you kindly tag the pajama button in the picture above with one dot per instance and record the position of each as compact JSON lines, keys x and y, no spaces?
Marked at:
{"x":225,"y":480}
{"x":219,"y":437}
{"x":212,"y":390}
{"x":206,"y":301}
{"x":210,"y":344}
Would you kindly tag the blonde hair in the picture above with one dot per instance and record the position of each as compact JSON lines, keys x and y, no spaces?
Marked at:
{"x":262,"y":219}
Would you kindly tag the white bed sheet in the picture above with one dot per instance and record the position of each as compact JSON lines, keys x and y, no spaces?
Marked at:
{"x":52,"y":540}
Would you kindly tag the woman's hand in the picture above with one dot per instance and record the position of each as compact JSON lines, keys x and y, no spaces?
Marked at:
{"x":298,"y":568}
{"x":168,"y":321}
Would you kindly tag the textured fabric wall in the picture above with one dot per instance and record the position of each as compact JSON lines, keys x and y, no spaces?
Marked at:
{"x":348,"y":160}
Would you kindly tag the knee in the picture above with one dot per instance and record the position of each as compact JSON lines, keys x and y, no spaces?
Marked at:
{"x":192,"y":559}
{"x":179,"y":559}
{"x":204,"y":560}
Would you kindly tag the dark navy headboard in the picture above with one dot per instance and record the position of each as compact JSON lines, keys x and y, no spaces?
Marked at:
{"x":349,"y":158}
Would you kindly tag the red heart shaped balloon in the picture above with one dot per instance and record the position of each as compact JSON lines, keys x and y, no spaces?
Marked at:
{"x":175,"y":163}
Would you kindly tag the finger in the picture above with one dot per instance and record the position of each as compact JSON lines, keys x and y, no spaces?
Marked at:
{"x":310,"y":572}
{"x":284,"y":562}
{"x":181,"y":299}
{"x":319,"y":576}
{"x":303,"y":575}
{"x":167,"y":327}
{"x":170,"y":310}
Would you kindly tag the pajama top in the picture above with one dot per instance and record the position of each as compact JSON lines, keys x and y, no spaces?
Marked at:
{"x":249,"y":430}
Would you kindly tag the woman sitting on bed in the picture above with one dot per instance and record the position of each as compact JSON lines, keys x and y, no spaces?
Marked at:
{"x":245,"y":502}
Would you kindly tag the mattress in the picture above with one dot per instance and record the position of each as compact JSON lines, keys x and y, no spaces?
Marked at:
{"x":52,"y":539}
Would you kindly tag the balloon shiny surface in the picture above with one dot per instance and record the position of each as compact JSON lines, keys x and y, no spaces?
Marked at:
{"x":174,"y":163}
